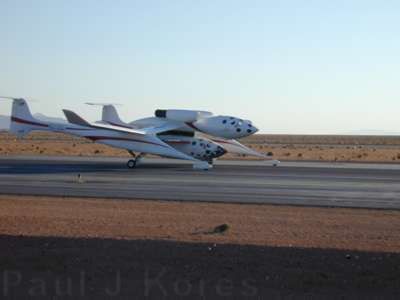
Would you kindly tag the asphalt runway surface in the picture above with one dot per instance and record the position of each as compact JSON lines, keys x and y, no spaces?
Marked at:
{"x":294,"y":183}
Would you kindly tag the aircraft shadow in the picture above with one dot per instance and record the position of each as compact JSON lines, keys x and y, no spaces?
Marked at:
{"x":99,"y":268}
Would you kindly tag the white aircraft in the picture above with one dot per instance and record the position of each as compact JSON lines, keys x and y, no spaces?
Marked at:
{"x":197,"y":136}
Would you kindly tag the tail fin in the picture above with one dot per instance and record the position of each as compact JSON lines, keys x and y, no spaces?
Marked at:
{"x":110,"y":116}
{"x":73,"y":118}
{"x":22,"y":121}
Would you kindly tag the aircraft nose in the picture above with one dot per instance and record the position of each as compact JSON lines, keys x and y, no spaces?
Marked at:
{"x":219,"y":152}
{"x":251,"y":129}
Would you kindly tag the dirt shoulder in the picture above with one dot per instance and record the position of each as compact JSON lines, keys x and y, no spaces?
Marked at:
{"x":283,"y":147}
{"x":262,"y":225}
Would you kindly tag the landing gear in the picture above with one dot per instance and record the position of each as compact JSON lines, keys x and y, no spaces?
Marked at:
{"x":275,"y":163}
{"x":133,"y":163}
{"x":202,"y":165}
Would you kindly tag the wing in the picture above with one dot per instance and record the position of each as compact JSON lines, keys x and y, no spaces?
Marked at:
{"x":233,"y":146}
{"x":77,"y":120}
{"x":151,"y":130}
{"x":167,"y":126}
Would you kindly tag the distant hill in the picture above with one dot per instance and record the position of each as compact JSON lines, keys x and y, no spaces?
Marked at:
{"x":373,"y":132}
{"x":5,"y":120}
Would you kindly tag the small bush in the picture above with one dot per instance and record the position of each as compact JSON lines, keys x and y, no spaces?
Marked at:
{"x":221,"y":228}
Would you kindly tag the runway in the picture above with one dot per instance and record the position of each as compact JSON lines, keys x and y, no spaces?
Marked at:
{"x":294,"y":183}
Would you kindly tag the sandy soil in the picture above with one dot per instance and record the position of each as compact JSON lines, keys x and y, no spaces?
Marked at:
{"x":283,"y":147}
{"x":266,"y":225}
{"x":98,"y":249}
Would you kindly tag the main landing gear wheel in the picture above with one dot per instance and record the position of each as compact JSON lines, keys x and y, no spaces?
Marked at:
{"x":131,"y":163}
{"x":275,"y":163}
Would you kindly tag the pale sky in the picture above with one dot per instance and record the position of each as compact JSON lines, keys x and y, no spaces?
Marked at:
{"x":289,"y":66}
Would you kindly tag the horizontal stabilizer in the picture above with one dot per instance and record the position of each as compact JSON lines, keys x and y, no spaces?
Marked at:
{"x":101,"y":103}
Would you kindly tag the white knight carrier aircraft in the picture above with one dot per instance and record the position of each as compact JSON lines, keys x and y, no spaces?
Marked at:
{"x":197,"y":136}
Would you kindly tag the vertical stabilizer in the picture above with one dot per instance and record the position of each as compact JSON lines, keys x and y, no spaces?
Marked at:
{"x":110,"y":116}
{"x":22,"y":121}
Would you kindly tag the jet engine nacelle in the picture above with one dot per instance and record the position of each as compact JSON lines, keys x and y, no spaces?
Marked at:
{"x":182,"y":115}
{"x":224,"y":126}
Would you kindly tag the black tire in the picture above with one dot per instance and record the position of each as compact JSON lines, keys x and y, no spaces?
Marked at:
{"x":131,"y":164}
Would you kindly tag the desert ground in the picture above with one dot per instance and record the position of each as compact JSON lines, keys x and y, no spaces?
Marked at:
{"x":282,"y":147}
{"x":69,"y":248}
{"x":251,"y":224}
{"x":94,"y":248}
